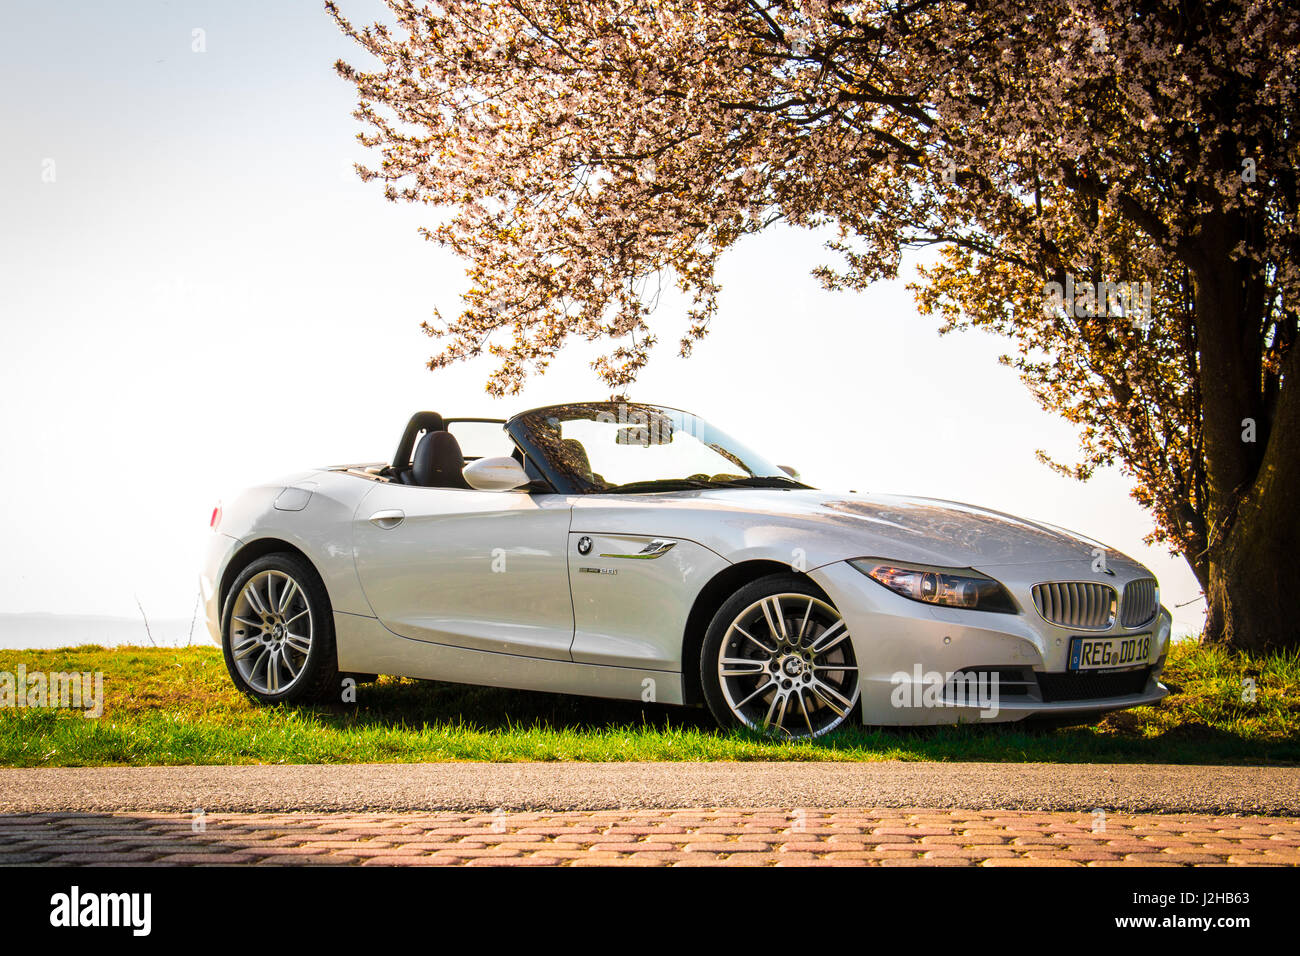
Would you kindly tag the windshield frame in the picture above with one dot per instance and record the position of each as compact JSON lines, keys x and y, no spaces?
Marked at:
{"x":522,"y":428}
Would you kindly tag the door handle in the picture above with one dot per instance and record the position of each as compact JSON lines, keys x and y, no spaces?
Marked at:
{"x":388,"y":519}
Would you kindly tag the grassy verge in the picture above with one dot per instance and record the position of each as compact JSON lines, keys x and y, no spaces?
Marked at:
{"x":177,"y":706}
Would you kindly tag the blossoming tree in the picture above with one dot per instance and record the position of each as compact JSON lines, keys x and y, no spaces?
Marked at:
{"x":577,"y":153}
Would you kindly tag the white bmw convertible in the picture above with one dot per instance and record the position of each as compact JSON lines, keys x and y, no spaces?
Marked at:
{"x":635,"y":551}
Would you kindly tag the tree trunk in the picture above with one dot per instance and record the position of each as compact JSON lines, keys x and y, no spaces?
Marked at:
{"x":1255,"y":579}
{"x":1254,"y":552}
{"x":1254,"y":527}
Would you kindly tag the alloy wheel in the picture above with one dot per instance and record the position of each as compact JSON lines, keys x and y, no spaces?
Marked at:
{"x":786,"y":666}
{"x":271,"y":631}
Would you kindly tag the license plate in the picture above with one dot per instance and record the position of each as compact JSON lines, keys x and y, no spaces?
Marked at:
{"x":1103,"y":653}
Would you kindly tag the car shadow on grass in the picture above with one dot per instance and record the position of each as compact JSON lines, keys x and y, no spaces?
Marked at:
{"x":1123,"y":737}
{"x":407,"y":702}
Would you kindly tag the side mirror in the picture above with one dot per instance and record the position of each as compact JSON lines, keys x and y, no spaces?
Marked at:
{"x":501,"y":473}
{"x":789,"y":471}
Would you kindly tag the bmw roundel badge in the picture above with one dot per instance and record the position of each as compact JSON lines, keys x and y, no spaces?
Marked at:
{"x":584,"y":544}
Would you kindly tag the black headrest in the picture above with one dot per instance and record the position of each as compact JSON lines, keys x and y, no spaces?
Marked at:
{"x":420,"y":422}
{"x":438,"y":461}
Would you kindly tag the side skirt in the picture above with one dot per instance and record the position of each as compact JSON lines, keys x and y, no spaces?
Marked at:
{"x":365,"y":646}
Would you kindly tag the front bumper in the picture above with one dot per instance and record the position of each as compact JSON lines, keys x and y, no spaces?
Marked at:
{"x":908,"y":652}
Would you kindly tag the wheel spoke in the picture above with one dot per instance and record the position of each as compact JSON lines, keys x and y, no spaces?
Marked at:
{"x":246,"y":648}
{"x":286,"y":596}
{"x":254,"y":599}
{"x":777,"y":698}
{"x":775,"y":627}
{"x":803,"y":625}
{"x":250,"y":622}
{"x":258,"y":662}
{"x":837,"y":701}
{"x":804,"y":707}
{"x":288,"y":664}
{"x":742,"y":667}
{"x":298,"y":642}
{"x":780,"y":717}
{"x":751,"y":637}
{"x":823,"y":642}
{"x":770,"y":684}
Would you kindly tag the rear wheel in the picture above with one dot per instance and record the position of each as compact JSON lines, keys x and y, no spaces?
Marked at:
{"x":278,"y":632}
{"x":777,"y":658}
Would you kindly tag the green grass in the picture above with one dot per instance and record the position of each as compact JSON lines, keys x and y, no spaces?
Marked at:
{"x":177,"y":706}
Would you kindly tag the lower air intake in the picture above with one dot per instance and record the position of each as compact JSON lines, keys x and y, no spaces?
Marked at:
{"x":1059,"y":687}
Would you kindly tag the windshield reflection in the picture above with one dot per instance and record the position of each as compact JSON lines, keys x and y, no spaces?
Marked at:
{"x":627,"y":448}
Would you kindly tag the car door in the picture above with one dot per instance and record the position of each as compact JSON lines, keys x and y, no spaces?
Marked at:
{"x":480,"y":569}
{"x":632,"y":593}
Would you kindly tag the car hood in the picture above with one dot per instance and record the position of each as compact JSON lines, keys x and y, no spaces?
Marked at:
{"x":834,"y":526}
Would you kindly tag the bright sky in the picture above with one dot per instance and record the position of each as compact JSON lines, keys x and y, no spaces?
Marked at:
{"x":205,"y":296}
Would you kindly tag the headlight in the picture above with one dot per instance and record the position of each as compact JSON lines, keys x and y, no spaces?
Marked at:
{"x":947,"y":587}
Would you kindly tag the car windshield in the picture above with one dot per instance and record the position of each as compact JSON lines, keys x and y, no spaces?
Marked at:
{"x":622,"y":447}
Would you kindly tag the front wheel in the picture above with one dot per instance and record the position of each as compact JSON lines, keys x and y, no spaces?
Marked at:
{"x":277,"y":632}
{"x":777,"y":658}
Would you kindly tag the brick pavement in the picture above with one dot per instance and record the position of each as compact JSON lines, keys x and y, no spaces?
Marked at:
{"x":688,"y":837}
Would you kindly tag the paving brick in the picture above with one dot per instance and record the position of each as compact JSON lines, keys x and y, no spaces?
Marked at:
{"x":728,"y":836}
{"x":633,"y":847}
{"x":1025,"y":861}
{"x":969,"y":852}
{"x":715,"y":846}
{"x":414,"y":859}
{"x":220,"y":859}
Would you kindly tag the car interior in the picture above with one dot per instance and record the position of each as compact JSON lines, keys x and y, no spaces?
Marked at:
{"x":429,"y":454}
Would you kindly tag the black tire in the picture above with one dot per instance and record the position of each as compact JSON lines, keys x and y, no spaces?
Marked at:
{"x":317,"y":677}
{"x":839,"y":708}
